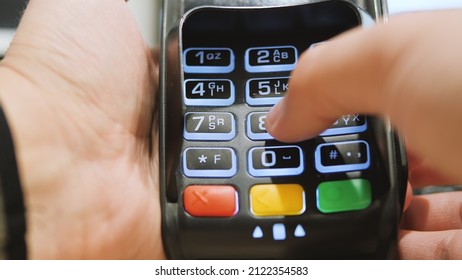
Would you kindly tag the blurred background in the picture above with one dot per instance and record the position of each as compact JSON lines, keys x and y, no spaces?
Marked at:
{"x":147,"y":15}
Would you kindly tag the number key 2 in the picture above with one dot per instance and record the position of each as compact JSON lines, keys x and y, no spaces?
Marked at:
{"x":271,"y":59}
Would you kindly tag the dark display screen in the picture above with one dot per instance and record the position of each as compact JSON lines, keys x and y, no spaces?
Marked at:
{"x":10,"y":12}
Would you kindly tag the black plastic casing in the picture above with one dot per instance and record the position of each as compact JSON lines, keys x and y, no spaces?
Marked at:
{"x":366,"y":234}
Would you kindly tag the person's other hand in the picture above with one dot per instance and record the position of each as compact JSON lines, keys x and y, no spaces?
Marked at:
{"x":408,"y":70}
{"x":77,"y":86}
{"x":431,"y":225}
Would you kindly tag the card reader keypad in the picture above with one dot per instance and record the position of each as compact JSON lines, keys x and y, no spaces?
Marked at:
{"x":213,"y":83}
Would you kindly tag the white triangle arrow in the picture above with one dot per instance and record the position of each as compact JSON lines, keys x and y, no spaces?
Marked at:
{"x":299,"y":231}
{"x":257,"y":232}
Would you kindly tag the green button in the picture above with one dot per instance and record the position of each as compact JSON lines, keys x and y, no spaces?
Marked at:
{"x":346,"y":195}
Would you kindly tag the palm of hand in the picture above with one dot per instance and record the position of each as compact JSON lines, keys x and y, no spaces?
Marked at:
{"x":96,"y":195}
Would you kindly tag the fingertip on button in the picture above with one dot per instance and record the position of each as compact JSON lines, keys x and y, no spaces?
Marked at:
{"x":272,"y":119}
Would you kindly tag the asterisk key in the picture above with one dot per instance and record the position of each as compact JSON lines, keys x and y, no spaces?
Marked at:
{"x":202,"y":159}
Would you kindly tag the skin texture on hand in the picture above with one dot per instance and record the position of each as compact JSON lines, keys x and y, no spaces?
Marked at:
{"x":78,"y":87}
{"x":408,"y":70}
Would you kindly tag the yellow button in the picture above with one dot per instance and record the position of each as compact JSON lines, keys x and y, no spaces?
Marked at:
{"x":277,"y":200}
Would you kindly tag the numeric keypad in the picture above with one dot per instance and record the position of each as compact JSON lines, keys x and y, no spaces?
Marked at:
{"x":214,"y":87}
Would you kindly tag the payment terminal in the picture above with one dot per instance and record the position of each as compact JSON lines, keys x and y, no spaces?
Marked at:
{"x":229,"y":190}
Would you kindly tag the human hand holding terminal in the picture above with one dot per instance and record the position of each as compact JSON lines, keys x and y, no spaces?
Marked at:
{"x":77,"y":89}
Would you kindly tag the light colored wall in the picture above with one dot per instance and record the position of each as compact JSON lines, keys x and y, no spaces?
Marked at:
{"x":147,"y":15}
{"x":400,"y":6}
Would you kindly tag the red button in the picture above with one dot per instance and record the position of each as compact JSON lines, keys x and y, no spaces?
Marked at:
{"x":210,"y":200}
